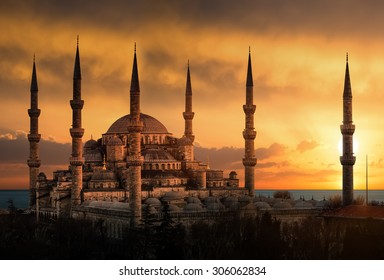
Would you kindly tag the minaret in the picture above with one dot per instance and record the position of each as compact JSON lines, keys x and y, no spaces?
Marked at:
{"x":33,"y":138}
{"x":188,"y":114}
{"x":249,"y":133}
{"x":135,"y":160}
{"x":76,"y":159}
{"x":347,"y":129}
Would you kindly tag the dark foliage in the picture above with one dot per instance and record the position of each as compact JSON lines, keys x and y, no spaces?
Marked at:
{"x":226,"y":238}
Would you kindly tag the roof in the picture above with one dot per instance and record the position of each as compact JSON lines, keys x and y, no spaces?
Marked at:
{"x":151,"y":125}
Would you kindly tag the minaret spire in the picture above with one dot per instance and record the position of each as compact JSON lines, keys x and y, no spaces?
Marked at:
{"x":135,"y":160}
{"x":33,"y":137}
{"x":188,"y":114}
{"x":77,"y":132}
{"x":249,"y":133}
{"x":347,"y":129}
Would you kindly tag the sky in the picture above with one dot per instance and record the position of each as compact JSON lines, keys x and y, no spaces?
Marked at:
{"x":298,"y":50}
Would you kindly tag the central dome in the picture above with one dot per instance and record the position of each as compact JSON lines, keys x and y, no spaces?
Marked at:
{"x":151,"y":125}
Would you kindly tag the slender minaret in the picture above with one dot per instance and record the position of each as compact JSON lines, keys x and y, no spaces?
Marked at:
{"x":249,"y":133}
{"x":77,"y":132}
{"x":347,"y":130}
{"x":135,"y":160}
{"x":188,"y":114}
{"x":34,"y":138}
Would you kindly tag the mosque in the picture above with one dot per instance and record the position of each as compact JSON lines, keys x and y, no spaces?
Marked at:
{"x":136,"y":159}
{"x":138,"y":166}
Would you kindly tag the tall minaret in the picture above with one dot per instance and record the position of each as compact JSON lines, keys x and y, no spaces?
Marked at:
{"x":188,"y":114}
{"x":135,"y":160}
{"x":347,"y":130}
{"x":249,"y":133}
{"x":34,"y":138}
{"x":76,"y":159}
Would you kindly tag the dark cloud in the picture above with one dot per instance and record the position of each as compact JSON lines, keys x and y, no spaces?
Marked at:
{"x":231,"y":157}
{"x":332,"y":18}
{"x":14,"y":148}
{"x":307,"y":145}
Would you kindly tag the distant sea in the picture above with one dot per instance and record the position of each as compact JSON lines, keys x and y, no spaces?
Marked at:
{"x":20,"y":198}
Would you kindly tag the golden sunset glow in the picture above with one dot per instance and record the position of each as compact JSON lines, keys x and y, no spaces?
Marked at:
{"x":298,"y":58}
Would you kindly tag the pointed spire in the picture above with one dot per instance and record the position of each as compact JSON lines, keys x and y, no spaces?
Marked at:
{"x":34,"y":86}
{"x":135,"y":86}
{"x":249,"y":73}
{"x":347,"y":81}
{"x":188,"y":90}
{"x":77,"y":70}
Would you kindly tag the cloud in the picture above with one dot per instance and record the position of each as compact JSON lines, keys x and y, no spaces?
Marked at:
{"x":307,"y":145}
{"x":275,"y":149}
{"x":231,"y":157}
{"x":15,"y":149}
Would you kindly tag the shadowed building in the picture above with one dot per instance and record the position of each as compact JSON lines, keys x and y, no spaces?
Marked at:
{"x":347,"y":129}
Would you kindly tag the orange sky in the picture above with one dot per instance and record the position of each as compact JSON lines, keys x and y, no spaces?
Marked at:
{"x":298,"y":54}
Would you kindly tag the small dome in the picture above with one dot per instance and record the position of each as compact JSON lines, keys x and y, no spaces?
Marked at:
{"x":262,"y":205}
{"x":41,"y":176}
{"x":193,"y":199}
{"x":233,"y":173}
{"x":156,"y":154}
{"x":184,"y":141}
{"x":193,"y":207}
{"x":115,"y":141}
{"x":148,"y":209}
{"x":103,"y":175}
{"x":211,"y":199}
{"x":90,"y":145}
{"x":152,"y":201}
{"x":282,"y":205}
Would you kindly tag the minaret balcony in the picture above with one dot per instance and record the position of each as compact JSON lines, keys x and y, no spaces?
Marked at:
{"x":249,"y":134}
{"x":76,"y":132}
{"x":77,"y":104}
{"x":249,"y":109}
{"x":188,"y":115}
{"x":76,"y":161}
{"x":34,"y":137}
{"x":34,"y":163}
{"x":34,"y":113}
{"x":347,"y":129}
{"x":252,"y":161}
{"x":347,"y":160}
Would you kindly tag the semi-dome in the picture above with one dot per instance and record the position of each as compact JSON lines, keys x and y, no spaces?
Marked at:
{"x":151,"y":125}
{"x":115,"y":141}
{"x":152,"y":201}
{"x":156,"y":154}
